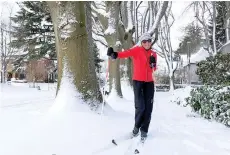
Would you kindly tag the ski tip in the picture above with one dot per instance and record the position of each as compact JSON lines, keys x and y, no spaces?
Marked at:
{"x":136,"y":151}
{"x":113,"y":141}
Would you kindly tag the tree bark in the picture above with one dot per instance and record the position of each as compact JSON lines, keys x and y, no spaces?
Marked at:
{"x":214,"y":28}
{"x":74,"y":51}
{"x":125,"y":32}
{"x":109,"y":26}
{"x":112,"y":38}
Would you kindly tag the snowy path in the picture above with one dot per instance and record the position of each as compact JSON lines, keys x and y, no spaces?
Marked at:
{"x":173,"y":132}
{"x":178,"y":134}
{"x":26,"y":129}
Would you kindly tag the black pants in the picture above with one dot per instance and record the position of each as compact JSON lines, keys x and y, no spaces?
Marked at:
{"x":143,"y":97}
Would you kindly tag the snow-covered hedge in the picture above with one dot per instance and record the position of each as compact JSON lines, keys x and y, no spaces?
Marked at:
{"x":180,"y":94}
{"x":215,"y":70}
{"x":211,"y":103}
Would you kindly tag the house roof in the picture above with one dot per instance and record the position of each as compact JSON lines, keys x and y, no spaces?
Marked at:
{"x":200,"y":55}
{"x":225,"y":45}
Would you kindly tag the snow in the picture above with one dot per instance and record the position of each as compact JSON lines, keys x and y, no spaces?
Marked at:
{"x":111,"y":24}
{"x":179,"y":95}
{"x":67,"y":94}
{"x":27,"y":126}
{"x":100,"y":9}
{"x":66,"y":22}
{"x":199,"y":56}
{"x":38,"y":46}
{"x":118,"y":43}
{"x":130,"y":22}
{"x":110,"y":30}
{"x":17,"y":81}
{"x":45,"y":23}
{"x":27,"y":9}
{"x":227,"y":31}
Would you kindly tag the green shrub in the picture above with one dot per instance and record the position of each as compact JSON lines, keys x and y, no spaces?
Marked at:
{"x":215,"y":70}
{"x":211,"y":103}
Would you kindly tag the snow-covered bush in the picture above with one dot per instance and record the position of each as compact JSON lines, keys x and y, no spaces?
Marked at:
{"x":215,"y":70}
{"x":179,"y":95}
{"x":211,"y":102}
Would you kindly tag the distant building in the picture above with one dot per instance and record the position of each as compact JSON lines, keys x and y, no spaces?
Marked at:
{"x":10,"y":72}
{"x":225,"y":48}
{"x":187,"y":76}
{"x":42,"y":70}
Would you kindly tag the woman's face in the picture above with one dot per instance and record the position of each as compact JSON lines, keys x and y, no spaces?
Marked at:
{"x":146,"y":44}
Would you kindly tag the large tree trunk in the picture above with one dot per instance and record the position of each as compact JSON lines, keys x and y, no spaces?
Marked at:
{"x":73,"y":50}
{"x":108,"y":23}
{"x":125,"y":32}
{"x":112,"y":38}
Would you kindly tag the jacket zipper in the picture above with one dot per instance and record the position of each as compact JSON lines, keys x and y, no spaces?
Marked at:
{"x":146,"y":54}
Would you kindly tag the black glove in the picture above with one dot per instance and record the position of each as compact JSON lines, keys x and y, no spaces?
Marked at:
{"x":152,"y":61}
{"x":111,"y":53}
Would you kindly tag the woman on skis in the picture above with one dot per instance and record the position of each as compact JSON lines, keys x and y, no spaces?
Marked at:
{"x":144,"y":64}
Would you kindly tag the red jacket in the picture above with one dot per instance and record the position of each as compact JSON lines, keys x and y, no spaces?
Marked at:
{"x":141,"y":67}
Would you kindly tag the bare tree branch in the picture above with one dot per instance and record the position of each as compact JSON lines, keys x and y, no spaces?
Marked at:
{"x":159,"y":15}
{"x":139,"y":5}
{"x":97,"y":40}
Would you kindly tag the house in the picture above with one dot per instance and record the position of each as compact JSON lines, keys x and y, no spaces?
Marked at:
{"x":42,"y":70}
{"x":225,"y":48}
{"x":187,"y":69}
{"x":10,"y":72}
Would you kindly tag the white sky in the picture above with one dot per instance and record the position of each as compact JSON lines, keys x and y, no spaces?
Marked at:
{"x":177,"y":7}
{"x":181,"y":21}
{"x":5,"y":8}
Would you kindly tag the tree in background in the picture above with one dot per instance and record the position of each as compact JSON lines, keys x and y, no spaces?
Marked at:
{"x":192,"y":34}
{"x":33,"y":31}
{"x":220,"y":25}
{"x":171,"y":58}
{"x":7,"y":52}
{"x":33,"y":34}
{"x":117,"y":22}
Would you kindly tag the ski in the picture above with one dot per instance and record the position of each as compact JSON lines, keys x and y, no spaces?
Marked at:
{"x":140,"y":145}
{"x":132,"y":145}
{"x":125,"y":137}
{"x":115,"y":142}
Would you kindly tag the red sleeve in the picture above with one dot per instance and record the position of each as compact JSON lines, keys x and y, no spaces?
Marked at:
{"x":155,"y":55}
{"x":127,"y":53}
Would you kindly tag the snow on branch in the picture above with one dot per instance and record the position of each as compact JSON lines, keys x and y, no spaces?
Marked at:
{"x":100,"y":41}
{"x":111,"y":22}
{"x":66,"y":22}
{"x":22,"y":6}
{"x":159,"y":15}
{"x":130,"y":18}
{"x":144,"y":19}
{"x":99,"y":9}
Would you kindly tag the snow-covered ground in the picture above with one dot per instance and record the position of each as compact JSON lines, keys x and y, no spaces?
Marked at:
{"x":27,"y":127}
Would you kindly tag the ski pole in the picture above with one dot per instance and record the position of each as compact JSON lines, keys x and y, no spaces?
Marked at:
{"x":103,"y":89}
